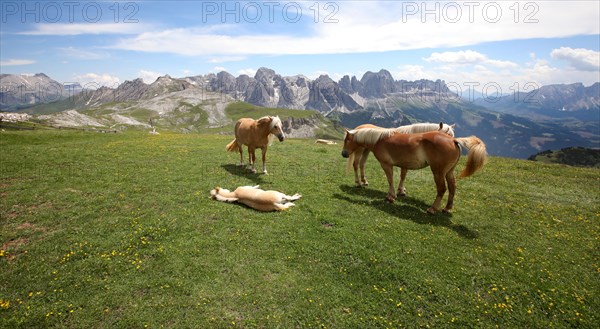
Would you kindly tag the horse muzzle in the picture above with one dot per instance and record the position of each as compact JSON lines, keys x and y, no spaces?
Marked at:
{"x":281,"y":137}
{"x":345,"y":154}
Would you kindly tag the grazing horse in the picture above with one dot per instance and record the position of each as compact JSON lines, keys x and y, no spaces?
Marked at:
{"x":359,"y":157}
{"x":437,"y":150}
{"x":255,"y":134}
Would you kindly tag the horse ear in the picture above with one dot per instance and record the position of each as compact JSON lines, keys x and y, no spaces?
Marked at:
{"x":453,"y":125}
{"x":441,"y":125}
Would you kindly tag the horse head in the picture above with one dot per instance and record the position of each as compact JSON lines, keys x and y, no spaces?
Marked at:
{"x":349,"y":144}
{"x":447,"y":129}
{"x":277,"y":128}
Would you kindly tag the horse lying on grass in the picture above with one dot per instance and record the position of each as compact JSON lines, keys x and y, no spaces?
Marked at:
{"x":359,"y":157}
{"x":255,"y":134}
{"x":256,"y":198}
{"x":436,"y":149}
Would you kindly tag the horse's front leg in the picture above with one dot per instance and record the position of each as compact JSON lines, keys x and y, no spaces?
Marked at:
{"x":440,"y":184}
{"x":389,"y":173}
{"x":264,"y":159}
{"x":251,"y":159}
{"x":356,"y":177}
{"x":401,"y":188}
{"x":363,"y":160}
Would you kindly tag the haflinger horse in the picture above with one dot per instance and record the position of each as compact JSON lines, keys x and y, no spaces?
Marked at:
{"x":255,"y":134}
{"x":359,"y":157}
{"x":436,"y":149}
{"x":255,"y":198}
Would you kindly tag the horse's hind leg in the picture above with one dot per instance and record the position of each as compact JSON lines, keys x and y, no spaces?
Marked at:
{"x":389,"y":173}
{"x":440,"y":183}
{"x":241,"y":156}
{"x":283,"y":206}
{"x":401,"y":188}
{"x":451,"y":190}
{"x":287,"y":198}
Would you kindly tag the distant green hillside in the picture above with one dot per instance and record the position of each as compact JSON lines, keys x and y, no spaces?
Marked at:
{"x":328,"y":128}
{"x":239,"y":110}
{"x":572,"y":156}
{"x":183,"y":116}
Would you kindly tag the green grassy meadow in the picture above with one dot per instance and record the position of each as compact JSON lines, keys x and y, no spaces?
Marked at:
{"x":118,"y":231}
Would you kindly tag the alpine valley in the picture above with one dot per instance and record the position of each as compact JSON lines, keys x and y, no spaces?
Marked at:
{"x":516,"y":125}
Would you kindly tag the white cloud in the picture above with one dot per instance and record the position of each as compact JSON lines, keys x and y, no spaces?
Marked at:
{"x":316,"y":74}
{"x":149,"y":76}
{"x":457,"y":57}
{"x":483,"y":76}
{"x":377,"y":26}
{"x":412,"y":73}
{"x":16,"y":62}
{"x":249,"y":72}
{"x":94,"y":80}
{"x":89,"y":28}
{"x":225,"y":59}
{"x":467,"y":57}
{"x":84,"y":53}
{"x":581,"y":59}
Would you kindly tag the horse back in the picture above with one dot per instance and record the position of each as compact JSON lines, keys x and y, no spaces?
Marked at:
{"x":246,"y":133}
{"x":416,"y":151}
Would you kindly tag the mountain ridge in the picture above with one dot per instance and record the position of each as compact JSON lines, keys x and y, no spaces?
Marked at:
{"x":374,"y":98}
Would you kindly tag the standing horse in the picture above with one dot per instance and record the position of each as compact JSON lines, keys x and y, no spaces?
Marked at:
{"x":255,"y":134}
{"x":359,"y":157}
{"x":435,"y":149}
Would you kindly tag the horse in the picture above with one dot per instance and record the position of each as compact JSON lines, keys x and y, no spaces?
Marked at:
{"x":255,"y":198}
{"x":359,"y":157}
{"x":255,"y":134}
{"x":436,"y":149}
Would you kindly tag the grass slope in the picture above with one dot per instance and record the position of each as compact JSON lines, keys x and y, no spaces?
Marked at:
{"x":238,"y":110}
{"x":117,"y":231}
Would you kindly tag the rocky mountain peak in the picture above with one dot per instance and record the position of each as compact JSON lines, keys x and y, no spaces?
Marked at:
{"x":264,"y":74}
{"x":377,"y":85}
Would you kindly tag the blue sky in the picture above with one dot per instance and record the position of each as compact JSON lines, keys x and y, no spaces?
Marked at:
{"x":505,"y":44}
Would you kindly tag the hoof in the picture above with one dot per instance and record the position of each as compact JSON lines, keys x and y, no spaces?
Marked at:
{"x":431,"y":211}
{"x":253,"y":171}
{"x":447,"y":210}
{"x":401,"y":194}
{"x":390,"y":200}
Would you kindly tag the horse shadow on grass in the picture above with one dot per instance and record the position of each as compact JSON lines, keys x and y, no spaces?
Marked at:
{"x":404,"y":208}
{"x":242,"y":171}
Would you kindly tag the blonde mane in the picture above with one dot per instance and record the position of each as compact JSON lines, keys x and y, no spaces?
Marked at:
{"x":371,"y":136}
{"x":274,"y":122}
{"x":425,"y":127}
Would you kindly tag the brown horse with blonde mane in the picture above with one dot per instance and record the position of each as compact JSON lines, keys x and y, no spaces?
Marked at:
{"x":437,"y":150}
{"x":255,"y":134}
{"x":359,"y":157}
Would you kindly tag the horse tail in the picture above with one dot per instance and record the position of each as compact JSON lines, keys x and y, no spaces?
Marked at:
{"x":477,"y":154}
{"x":233,"y":146}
